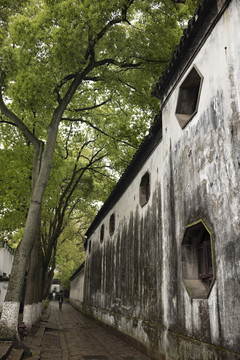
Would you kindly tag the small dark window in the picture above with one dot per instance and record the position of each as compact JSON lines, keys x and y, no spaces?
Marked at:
{"x":188,"y":97}
{"x":102,"y":233}
{"x":89,"y":247}
{"x":144,"y":190}
{"x":112,"y":224}
{"x":197,"y":265}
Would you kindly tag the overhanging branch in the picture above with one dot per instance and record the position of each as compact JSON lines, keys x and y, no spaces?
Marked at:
{"x":93,"y":107}
{"x":18,"y":122}
{"x":110,"y":61}
{"x":8,"y":122}
{"x":99,"y":130}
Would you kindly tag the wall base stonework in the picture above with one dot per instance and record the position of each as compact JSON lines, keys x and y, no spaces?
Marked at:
{"x":76,"y":304}
{"x":155,"y":340}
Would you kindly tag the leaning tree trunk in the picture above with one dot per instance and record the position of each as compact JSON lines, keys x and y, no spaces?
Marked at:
{"x":12,"y":301}
{"x":9,"y":318}
{"x":11,"y":304}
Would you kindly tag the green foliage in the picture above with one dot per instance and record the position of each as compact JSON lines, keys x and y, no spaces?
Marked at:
{"x":15,"y":179}
{"x":46,"y":303}
{"x":70,"y":255}
{"x":119,"y":51}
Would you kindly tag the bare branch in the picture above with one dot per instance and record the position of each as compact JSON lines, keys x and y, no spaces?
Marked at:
{"x":8,"y":122}
{"x":93,"y":107}
{"x":93,"y":78}
{"x":154,"y":61}
{"x":110,"y":61}
{"x":96,"y":171}
{"x":99,"y":130}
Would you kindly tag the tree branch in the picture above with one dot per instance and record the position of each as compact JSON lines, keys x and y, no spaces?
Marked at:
{"x":19,"y":123}
{"x":116,"y":63}
{"x":93,"y":78}
{"x":92,"y":107}
{"x":63,"y":82}
{"x":99,"y":130}
{"x":8,"y":122}
{"x":93,"y":41}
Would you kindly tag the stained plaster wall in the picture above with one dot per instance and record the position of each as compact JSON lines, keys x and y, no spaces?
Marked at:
{"x":3,"y":291}
{"x":6,"y":260}
{"x":133,"y":279}
{"x":77,"y":290}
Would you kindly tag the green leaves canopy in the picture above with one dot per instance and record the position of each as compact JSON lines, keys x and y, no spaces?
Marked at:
{"x":117,"y":49}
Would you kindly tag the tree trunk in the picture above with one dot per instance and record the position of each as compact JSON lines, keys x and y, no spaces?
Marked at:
{"x":12,"y":301}
{"x":28,"y":313}
{"x":36,"y":284}
{"x":11,"y":304}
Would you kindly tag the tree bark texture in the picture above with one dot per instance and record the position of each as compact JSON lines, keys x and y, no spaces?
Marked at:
{"x":31,"y":232}
{"x":31,"y":284}
{"x":42,"y":164}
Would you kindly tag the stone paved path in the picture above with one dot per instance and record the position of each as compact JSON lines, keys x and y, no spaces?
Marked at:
{"x":67,"y":334}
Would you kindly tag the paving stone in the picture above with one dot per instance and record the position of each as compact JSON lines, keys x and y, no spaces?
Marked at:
{"x":5,"y":348}
{"x":69,"y":335}
{"x":16,"y":354}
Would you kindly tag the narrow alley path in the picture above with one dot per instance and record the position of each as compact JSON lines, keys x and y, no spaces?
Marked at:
{"x":67,"y":334}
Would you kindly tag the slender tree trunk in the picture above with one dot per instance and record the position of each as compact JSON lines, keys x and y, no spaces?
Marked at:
{"x":36,"y":292}
{"x":10,"y":312}
{"x":40,"y":282}
{"x":28,"y":313}
{"x":32,"y":267}
{"x":12,"y":301}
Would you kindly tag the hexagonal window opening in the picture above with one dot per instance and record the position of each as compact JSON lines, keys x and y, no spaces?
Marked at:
{"x":198,"y":271}
{"x":188,"y":97}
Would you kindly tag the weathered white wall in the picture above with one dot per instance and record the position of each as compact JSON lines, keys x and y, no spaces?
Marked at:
{"x":133,"y":279}
{"x":6,"y":260}
{"x":3,"y":291}
{"x":206,"y":167}
{"x":55,"y":288}
{"x":77,"y":290}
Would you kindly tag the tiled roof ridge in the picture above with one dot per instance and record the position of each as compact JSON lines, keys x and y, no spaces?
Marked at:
{"x":188,"y":34}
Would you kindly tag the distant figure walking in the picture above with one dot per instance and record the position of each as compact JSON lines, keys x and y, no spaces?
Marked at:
{"x":60,"y":300}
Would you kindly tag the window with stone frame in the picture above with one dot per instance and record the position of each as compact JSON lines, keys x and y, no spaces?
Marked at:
{"x":188,"y":97}
{"x":198,"y":271}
